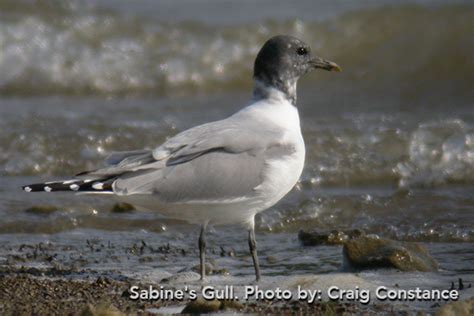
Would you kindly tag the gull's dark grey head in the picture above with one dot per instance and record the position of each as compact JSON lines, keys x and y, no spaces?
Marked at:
{"x":281,"y":61}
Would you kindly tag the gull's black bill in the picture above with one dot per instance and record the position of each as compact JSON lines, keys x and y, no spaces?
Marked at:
{"x":324,"y":64}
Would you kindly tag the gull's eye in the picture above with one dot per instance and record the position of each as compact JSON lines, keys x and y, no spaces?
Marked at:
{"x":302,"y":51}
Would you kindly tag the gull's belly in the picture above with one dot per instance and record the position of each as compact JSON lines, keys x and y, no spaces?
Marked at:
{"x":236,"y":211}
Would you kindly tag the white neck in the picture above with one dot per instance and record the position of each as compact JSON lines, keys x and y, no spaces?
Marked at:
{"x":263,"y":90}
{"x":274,"y":107}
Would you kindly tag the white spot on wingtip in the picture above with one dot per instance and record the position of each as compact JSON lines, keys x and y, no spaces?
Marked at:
{"x":27,"y":189}
{"x":98,"y":186}
{"x":74,"y":187}
{"x":47,"y":189}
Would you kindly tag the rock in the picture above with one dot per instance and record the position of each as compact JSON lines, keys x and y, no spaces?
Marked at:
{"x":222,"y":271}
{"x":272,"y":259}
{"x":202,"y":306}
{"x":369,"y":252}
{"x":145,"y":259}
{"x":460,"y":308}
{"x":229,"y":253}
{"x":41,"y":209}
{"x":122,"y":208}
{"x":103,"y":309}
{"x":102,"y":281}
{"x":209,"y":268}
{"x":232,"y":305}
{"x":335,"y":237}
{"x":182,"y":277}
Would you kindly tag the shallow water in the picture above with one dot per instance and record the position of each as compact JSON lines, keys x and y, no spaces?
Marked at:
{"x":390,"y":141}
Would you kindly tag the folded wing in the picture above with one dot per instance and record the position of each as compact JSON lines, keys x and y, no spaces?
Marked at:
{"x":211,"y":162}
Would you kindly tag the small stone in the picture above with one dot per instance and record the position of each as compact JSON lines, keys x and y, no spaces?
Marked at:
{"x":102,"y":281}
{"x":208,"y":267}
{"x":145,"y":259}
{"x":101,"y":309}
{"x":122,"y":208}
{"x":182,"y":277}
{"x":222,"y":271}
{"x":41,"y":209}
{"x":231,"y":305}
{"x":202,"y":306}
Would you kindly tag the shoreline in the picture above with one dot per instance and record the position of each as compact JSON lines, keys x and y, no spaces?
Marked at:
{"x":62,"y":296}
{"x":72,"y":274}
{"x":54,"y":291}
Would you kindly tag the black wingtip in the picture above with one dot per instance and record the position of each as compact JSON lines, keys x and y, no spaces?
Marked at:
{"x":79,"y":185}
{"x":33,"y":187}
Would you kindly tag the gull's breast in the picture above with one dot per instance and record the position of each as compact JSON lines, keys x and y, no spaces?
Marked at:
{"x":282,"y":171}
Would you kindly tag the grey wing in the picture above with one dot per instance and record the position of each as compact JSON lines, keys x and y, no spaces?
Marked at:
{"x":121,"y":162}
{"x":211,"y":162}
{"x":127,"y":157}
{"x":212,"y":177}
{"x":227,"y":135}
{"x":233,"y":136}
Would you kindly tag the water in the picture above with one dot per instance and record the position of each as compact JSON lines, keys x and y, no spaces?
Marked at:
{"x":390,"y":141}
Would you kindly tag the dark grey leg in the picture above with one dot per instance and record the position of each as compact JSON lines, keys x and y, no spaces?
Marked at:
{"x":253,"y":251}
{"x":202,"y":252}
